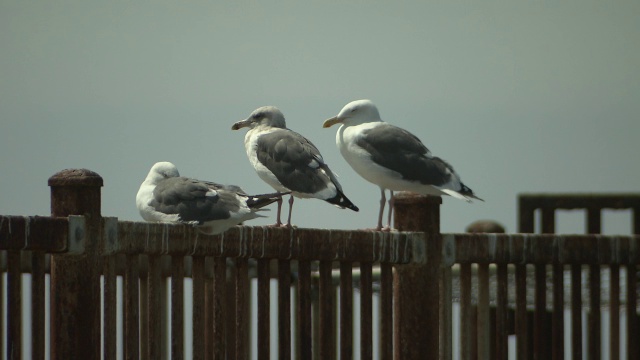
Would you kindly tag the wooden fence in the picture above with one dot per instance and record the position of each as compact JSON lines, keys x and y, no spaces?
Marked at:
{"x":418,"y":268}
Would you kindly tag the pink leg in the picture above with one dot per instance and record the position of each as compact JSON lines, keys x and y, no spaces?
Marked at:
{"x":383,"y":200}
{"x":290,"y":209}
{"x":391,"y":203}
{"x":278,"y":222}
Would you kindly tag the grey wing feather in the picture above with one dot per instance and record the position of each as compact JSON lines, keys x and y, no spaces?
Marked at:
{"x":288,"y":156}
{"x":401,"y":151}
{"x":188,"y":198}
{"x":232,"y":188}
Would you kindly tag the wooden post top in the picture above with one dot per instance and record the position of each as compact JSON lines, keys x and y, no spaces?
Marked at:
{"x":76,"y":177}
{"x":75,"y":192}
{"x":414,"y":212}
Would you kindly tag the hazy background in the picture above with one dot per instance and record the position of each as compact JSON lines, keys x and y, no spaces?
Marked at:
{"x":518,"y":96}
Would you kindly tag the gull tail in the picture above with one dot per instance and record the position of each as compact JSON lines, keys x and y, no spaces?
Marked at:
{"x":342,"y":202}
{"x":465,"y":193}
{"x":256,"y":202}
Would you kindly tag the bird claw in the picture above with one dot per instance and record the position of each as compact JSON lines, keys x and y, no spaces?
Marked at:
{"x":282,"y":226}
{"x":383,"y":229}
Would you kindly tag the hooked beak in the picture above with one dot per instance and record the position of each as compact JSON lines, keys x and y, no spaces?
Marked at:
{"x":330,"y":122}
{"x":240,"y":124}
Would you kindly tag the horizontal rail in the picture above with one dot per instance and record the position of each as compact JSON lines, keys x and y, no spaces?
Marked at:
{"x":41,"y":233}
{"x":126,"y":237}
{"x":580,"y":201}
{"x":540,"y":249}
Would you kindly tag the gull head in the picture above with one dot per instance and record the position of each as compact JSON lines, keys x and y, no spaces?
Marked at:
{"x":354,"y":113}
{"x":266,"y":115}
{"x":162,"y":170}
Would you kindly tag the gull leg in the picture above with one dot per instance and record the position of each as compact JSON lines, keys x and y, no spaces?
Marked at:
{"x":383,"y":200}
{"x":278,"y":222}
{"x":391,"y":203}
{"x":290,"y":209}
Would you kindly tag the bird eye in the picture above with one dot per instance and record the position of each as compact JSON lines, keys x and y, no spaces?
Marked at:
{"x":257,"y":116}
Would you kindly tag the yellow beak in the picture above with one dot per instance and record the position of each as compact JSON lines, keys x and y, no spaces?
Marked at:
{"x":240,"y":124}
{"x":330,"y":122}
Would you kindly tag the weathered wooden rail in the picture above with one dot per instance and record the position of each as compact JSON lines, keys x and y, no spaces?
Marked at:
{"x":88,"y":251}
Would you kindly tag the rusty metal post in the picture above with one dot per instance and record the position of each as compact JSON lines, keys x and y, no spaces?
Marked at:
{"x":75,"y":279}
{"x":416,"y":285}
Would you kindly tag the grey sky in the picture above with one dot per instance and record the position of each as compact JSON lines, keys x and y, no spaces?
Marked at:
{"x":518,"y":96}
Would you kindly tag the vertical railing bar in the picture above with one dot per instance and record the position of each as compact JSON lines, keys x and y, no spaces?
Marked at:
{"x":131,"y":309}
{"x":633,"y":328}
{"x":594,"y":226}
{"x":557,"y":321}
{"x":284,"y":309}
{"x":209,"y":306}
{"x":231,"y":309}
{"x":315,"y":316}
{"x":219,"y":296}
{"x":37,"y":305}
{"x":366,"y":311}
{"x":144,"y":311}
{"x":501,"y":312}
{"x":576,"y":311}
{"x":614,"y":311}
{"x":594,"y":324}
{"x":466,"y":329}
{"x":594,"y":221}
{"x":197,"y":274}
{"x":3,"y":293}
{"x":446,"y":295}
{"x":522,"y":329}
{"x":483,"y":313}
{"x":154,"y":309}
{"x":548,"y":221}
{"x":474,"y":334}
{"x":542,"y":339}
{"x":386,"y":312}
{"x":633,"y":345}
{"x":526,"y":217}
{"x":14,"y":306}
{"x":304,"y":309}
{"x":110,"y":307}
{"x":346,"y":310}
{"x":295,"y":325}
{"x":177,"y":307}
{"x":326,"y":348}
{"x":263,"y":325}
{"x":334,"y":315}
{"x":539,"y":323}
{"x":164,"y":306}
{"x":242,"y":302}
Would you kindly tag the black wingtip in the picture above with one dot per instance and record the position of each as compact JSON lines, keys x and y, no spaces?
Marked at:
{"x":466,"y":191}
{"x":342,"y":201}
{"x":260,"y":201}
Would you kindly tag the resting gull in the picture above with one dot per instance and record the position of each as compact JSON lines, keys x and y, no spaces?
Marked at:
{"x":391,"y":157}
{"x":288,"y":161}
{"x":165,"y":196}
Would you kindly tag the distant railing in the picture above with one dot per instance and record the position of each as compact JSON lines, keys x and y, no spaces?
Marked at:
{"x":415,"y":266}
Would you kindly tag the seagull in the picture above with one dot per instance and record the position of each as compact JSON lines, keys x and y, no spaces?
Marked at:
{"x":288,"y":161}
{"x":391,"y":157}
{"x":165,"y":196}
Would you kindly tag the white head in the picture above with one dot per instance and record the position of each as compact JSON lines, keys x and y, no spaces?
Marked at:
{"x":162,"y":170}
{"x":266,"y":115}
{"x":355,"y":113}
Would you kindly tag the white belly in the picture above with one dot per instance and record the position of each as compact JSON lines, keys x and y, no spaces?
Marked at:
{"x":251,"y":146}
